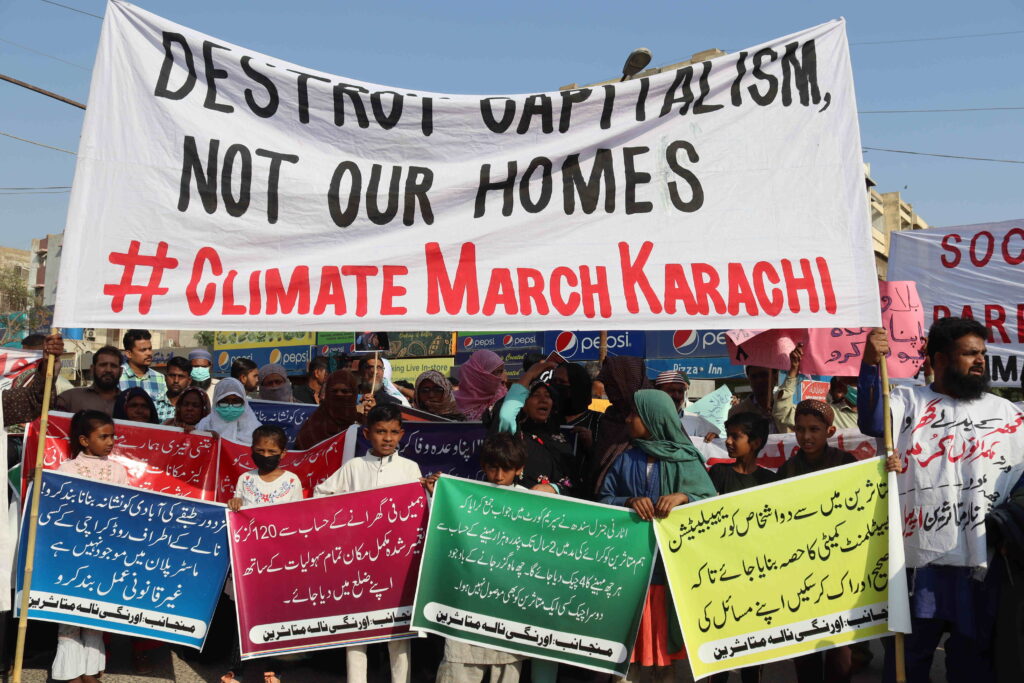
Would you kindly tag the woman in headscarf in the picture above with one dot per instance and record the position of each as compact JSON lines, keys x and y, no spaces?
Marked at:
{"x":532,"y":411}
{"x":274,"y":384}
{"x":622,"y":376}
{"x":337,"y":410}
{"x":434,"y":394}
{"x":232,"y":418}
{"x":481,"y":383}
{"x":136,"y":405}
{"x":192,"y":406}
{"x":660,"y":470}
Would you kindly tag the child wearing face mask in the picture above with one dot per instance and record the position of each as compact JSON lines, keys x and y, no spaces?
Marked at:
{"x":268,"y":483}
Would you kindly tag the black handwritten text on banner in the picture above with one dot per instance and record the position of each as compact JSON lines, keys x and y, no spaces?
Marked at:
{"x":238,"y":191}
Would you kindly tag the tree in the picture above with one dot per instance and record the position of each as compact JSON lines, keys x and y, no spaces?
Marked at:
{"x":205,"y":338}
{"x":21,"y":310}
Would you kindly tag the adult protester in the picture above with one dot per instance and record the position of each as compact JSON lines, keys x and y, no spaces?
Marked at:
{"x":248,"y":373}
{"x":371,"y":376}
{"x":137,"y":370}
{"x":433,"y":394}
{"x":575,"y":384}
{"x":16,"y":432}
{"x":337,"y":411}
{"x":192,"y":406}
{"x":201,"y":371}
{"x":37,"y":342}
{"x":676,"y":384}
{"x":660,"y":470}
{"x":136,"y":405}
{"x":377,"y":372}
{"x":101,"y":394}
{"x":316,"y":376}
{"x":842,"y":395}
{"x":961,"y":451}
{"x":530,"y":411}
{"x":231,"y":418}
{"x":481,"y":383}
{"x":762,"y":384}
{"x":622,"y":377}
{"x":274,"y":384}
{"x":178,"y":378}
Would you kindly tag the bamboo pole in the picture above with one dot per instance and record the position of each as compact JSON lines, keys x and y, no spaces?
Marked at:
{"x":33,"y":522}
{"x":603,"y":348}
{"x":373,"y":380}
{"x":900,"y":658}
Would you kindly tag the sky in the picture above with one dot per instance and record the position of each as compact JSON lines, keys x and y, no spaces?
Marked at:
{"x":534,"y":46}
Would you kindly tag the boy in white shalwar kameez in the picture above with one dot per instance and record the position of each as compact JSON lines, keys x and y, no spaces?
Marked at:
{"x":381,"y":466}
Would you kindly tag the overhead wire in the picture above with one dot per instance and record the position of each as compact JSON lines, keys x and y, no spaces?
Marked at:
{"x":73,"y":9}
{"x":944,"y":156}
{"x":925,"y":40}
{"x":44,"y":54}
{"x":33,"y":142}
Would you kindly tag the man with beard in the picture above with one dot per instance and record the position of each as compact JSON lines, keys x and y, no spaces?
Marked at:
{"x":178,"y":378}
{"x":762,"y":384}
{"x":100,"y":395}
{"x":961,"y":450}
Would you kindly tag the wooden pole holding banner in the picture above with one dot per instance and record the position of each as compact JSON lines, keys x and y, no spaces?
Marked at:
{"x":33,"y":521}
{"x":898,"y":650}
{"x":603,"y":348}
{"x":373,"y":380}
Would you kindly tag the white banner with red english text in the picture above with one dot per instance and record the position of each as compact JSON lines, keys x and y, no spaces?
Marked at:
{"x":971,"y":271}
{"x":221,"y":188}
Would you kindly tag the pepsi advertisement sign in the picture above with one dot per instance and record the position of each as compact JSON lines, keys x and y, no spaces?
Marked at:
{"x":295,"y":359}
{"x":579,"y":346}
{"x":686,"y":343}
{"x":469,"y":342}
{"x":696,"y":368}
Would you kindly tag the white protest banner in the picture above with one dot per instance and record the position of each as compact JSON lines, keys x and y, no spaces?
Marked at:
{"x":220,"y":188}
{"x":971,"y":271}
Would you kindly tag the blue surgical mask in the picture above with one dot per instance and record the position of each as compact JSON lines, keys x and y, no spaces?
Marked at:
{"x":200,"y":373}
{"x":851,"y":395}
{"x":229,"y":412}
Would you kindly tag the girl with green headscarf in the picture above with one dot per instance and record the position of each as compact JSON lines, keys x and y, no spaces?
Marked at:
{"x":660,"y":470}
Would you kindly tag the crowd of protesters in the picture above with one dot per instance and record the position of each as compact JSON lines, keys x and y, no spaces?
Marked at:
{"x":635,"y":453}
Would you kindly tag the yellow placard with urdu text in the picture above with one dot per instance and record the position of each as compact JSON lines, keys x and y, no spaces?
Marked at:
{"x":781,"y":570}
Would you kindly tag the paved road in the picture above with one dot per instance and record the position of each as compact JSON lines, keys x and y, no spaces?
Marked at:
{"x":324,"y":667}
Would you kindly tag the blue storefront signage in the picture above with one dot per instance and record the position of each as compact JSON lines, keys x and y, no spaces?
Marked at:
{"x":580,"y":346}
{"x":696,"y":368}
{"x":686,"y":344}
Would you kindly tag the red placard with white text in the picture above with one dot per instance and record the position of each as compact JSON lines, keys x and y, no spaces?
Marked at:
{"x":327,"y":572}
{"x":158,"y":458}
{"x":312,"y":466}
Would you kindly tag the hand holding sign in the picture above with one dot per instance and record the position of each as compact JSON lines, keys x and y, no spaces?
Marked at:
{"x":838,"y":351}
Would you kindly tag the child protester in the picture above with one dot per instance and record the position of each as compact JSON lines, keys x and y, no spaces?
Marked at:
{"x":268,"y":483}
{"x":502,"y":458}
{"x":745,"y":436}
{"x":813,"y":428}
{"x":381,"y":466}
{"x":660,"y":470}
{"x":81,"y":656}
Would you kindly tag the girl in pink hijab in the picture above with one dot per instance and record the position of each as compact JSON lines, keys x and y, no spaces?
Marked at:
{"x":481,"y":383}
